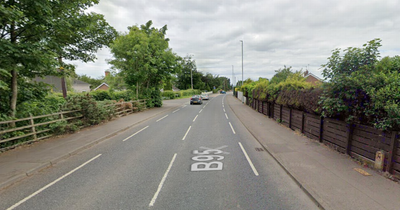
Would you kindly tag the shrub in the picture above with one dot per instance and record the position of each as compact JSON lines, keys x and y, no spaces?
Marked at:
{"x":101,"y":95}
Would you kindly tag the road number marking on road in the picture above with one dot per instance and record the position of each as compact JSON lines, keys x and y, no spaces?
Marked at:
{"x":208,"y":160}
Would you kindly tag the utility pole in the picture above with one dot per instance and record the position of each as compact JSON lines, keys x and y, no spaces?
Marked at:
{"x":242,"y":60}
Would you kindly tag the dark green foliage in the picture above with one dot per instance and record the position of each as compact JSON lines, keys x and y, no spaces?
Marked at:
{"x":101,"y":95}
{"x":93,"y":113}
{"x":169,"y":94}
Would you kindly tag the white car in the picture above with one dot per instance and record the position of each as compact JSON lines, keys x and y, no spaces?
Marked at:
{"x":204,"y":96}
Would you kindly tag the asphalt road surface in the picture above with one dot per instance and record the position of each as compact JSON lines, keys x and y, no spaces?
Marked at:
{"x":194,"y":157}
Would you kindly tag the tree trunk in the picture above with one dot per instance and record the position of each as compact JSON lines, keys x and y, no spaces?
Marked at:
{"x":63,"y":87}
{"x":14,"y":80}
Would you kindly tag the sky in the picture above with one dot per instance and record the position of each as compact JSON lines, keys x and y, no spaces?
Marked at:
{"x":275,"y":33}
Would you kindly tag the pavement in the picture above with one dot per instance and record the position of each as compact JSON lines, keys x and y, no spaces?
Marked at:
{"x":327,"y":176}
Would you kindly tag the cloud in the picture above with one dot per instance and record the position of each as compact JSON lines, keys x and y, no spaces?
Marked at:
{"x":300,"y":34}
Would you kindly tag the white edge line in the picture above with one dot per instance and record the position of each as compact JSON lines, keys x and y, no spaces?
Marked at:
{"x":187,"y":132}
{"x":195,"y":118}
{"x":248,"y":160}
{"x":153,"y":200}
{"x":226,"y":116}
{"x":162,"y":118}
{"x":135,"y":133}
{"x":176,"y":111}
{"x":233,"y":130}
{"x":52,"y":183}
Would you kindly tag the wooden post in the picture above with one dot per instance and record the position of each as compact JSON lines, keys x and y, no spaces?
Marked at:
{"x":61,"y":116}
{"x":33,"y":127}
{"x":349,"y":138}
{"x":321,"y":128}
{"x":302,"y":122}
{"x":290,"y":118}
{"x":392,"y":152}
{"x":280,"y":113}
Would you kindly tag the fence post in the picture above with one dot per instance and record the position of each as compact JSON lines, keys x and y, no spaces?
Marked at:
{"x":262,"y":107}
{"x":280,"y":112}
{"x":321,"y":128}
{"x":302,"y":122}
{"x":349,"y":138}
{"x":33,"y":127}
{"x":392,"y":151}
{"x":290,"y":118}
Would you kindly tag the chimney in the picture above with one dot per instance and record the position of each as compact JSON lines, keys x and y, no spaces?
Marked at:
{"x":107,"y":73}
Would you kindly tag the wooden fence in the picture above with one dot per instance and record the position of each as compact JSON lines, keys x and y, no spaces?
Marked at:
{"x":353,"y":139}
{"x":35,"y":128}
{"x":32,"y":130}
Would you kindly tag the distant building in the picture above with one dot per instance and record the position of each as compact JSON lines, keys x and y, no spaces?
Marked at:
{"x":103,"y":86}
{"x":311,"y":78}
{"x":80,"y":86}
{"x":53,"y":81}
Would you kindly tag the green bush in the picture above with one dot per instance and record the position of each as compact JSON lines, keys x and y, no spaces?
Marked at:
{"x":168,"y":94}
{"x":101,"y":95}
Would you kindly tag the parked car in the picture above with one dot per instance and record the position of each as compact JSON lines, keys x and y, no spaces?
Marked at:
{"x":222,"y":92}
{"x":204,"y":96}
{"x":196,"y":99}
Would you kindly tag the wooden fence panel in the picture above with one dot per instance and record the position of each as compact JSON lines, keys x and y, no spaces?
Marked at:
{"x":366,"y":141}
{"x":277,"y":111}
{"x":312,"y":126}
{"x":297,"y":119}
{"x":265,"y":108}
{"x":260,"y":106}
{"x":335,"y":134}
{"x":396,"y":158}
{"x":285,"y":116}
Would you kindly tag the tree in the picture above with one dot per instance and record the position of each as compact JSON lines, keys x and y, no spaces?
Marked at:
{"x":188,"y":70}
{"x":144,"y":59}
{"x":33,"y":33}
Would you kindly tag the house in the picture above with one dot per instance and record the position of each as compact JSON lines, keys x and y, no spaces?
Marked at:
{"x":53,"y":81}
{"x":80,"y":86}
{"x":102,"y":86}
{"x":311,"y":78}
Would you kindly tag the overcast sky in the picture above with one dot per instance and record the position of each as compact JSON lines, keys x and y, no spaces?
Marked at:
{"x":275,"y":33}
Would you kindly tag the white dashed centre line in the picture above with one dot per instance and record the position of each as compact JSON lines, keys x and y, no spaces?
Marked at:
{"x":200,"y":111}
{"x":153,"y":200}
{"x":176,"y":110}
{"x":184,"y":137}
{"x":195,"y":118}
{"x":226,"y":116}
{"x":233,"y":130}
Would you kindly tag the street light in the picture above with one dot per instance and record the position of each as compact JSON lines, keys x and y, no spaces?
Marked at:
{"x":242,"y":60}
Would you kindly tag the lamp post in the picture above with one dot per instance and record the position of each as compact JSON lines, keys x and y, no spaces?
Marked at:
{"x":242,"y":60}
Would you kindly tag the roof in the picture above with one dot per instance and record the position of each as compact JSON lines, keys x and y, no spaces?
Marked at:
{"x":313,"y":75}
{"x":101,"y":85}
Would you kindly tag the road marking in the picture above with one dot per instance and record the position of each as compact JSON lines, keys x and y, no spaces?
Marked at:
{"x":200,"y":111}
{"x":162,"y":118}
{"x":186,"y":133}
{"x":224,"y":110}
{"x":195,"y":118}
{"x":226,"y":116}
{"x":184,"y":106}
{"x":153,"y":200}
{"x":233,"y":130}
{"x":52,"y":183}
{"x":135,"y":133}
{"x":176,"y":111}
{"x":248,"y":160}
{"x":223,"y":105}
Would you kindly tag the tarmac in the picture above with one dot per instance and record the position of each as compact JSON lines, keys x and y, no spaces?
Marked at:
{"x":327,"y":176}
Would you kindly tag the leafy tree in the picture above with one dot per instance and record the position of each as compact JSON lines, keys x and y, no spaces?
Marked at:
{"x":354,"y":59}
{"x":93,"y":82}
{"x":144,"y":59}
{"x":282,"y":74}
{"x":188,"y":70}
{"x":33,"y":33}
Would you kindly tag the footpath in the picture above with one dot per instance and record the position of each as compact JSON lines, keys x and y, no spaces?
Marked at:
{"x":327,"y":176}
{"x":26,"y":160}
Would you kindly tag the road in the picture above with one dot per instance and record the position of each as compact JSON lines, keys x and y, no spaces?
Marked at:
{"x":194,"y":157}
